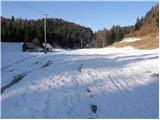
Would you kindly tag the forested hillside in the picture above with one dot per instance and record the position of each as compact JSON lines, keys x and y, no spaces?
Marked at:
{"x":106,"y":37}
{"x":149,"y":24}
{"x":59,"y":32}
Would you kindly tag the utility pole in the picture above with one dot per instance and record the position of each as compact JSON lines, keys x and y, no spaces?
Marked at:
{"x":102,"y":43}
{"x":81,"y":43}
{"x":81,"y":40}
{"x":45,"y":38}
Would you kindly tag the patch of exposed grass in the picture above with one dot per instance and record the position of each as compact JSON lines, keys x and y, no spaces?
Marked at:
{"x":148,"y":42}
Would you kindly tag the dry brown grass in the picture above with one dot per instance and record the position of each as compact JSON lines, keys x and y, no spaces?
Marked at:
{"x":144,"y":30}
{"x":148,"y":33}
{"x":149,"y":41}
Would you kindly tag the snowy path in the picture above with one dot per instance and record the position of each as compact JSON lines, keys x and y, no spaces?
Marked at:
{"x":122,"y":83}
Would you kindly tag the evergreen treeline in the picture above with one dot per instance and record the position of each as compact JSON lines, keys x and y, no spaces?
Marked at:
{"x":106,"y":37}
{"x":59,"y":32}
{"x":151,"y":17}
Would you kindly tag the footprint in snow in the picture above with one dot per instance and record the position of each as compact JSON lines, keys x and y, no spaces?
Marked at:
{"x":88,"y":90}
{"x":93,"y":108}
{"x":80,"y":68}
{"x":156,"y":75}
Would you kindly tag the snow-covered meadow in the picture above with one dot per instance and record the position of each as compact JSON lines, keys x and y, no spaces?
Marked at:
{"x":120,"y":82}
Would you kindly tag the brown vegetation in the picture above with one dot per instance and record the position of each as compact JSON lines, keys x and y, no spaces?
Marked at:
{"x":147,"y":29}
{"x":149,"y":41}
{"x":147,"y":25}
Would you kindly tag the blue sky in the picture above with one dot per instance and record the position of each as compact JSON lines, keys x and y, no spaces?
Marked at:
{"x":95,"y":15}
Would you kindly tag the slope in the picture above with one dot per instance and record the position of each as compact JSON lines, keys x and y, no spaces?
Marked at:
{"x":147,"y":25}
{"x":85,"y":83}
{"x":146,"y":29}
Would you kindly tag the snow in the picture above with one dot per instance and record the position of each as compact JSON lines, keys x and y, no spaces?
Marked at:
{"x":121,"y":82}
{"x":130,"y":39}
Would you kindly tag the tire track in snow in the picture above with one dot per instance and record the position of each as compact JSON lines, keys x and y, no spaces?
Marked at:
{"x":101,"y":82}
{"x":18,"y":62}
{"x":125,"y":92}
{"x":19,"y":77}
{"x":124,"y":82}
